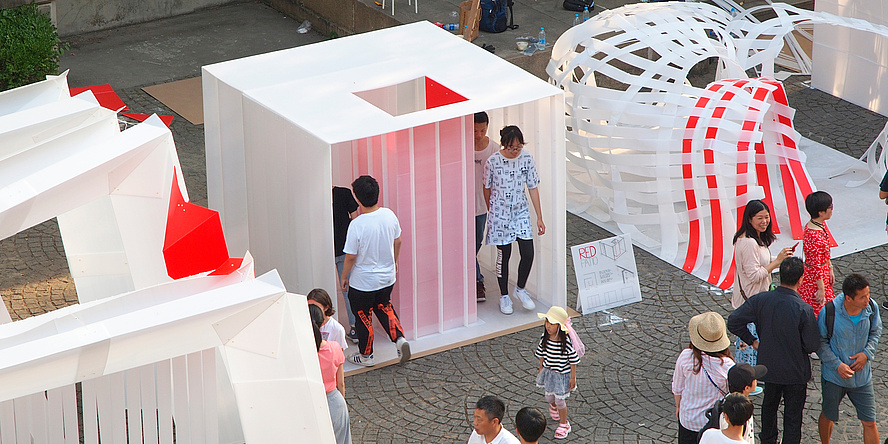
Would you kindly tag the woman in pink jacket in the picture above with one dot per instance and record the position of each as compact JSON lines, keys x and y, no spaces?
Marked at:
{"x":753,"y":263}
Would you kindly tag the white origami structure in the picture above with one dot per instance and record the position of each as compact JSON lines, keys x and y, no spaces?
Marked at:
{"x":668,"y":162}
{"x":876,"y":159}
{"x":215,"y":357}
{"x":218,"y":359}
{"x":65,"y":157}
{"x":282,"y":128}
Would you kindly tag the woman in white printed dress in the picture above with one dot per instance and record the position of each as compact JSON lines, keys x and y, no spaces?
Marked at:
{"x":506,"y":174}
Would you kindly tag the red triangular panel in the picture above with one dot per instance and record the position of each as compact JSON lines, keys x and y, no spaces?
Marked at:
{"x":104,"y":94}
{"x":440,"y":95}
{"x":194,"y":242}
{"x":228,"y":267}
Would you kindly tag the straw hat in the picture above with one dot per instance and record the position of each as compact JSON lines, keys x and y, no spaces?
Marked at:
{"x":708,"y":332}
{"x":556,"y":315}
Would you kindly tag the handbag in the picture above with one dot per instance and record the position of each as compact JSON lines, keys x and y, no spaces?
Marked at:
{"x":742,"y":293}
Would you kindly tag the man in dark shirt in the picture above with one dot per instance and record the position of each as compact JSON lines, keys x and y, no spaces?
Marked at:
{"x":788,"y":333}
{"x":344,"y":210}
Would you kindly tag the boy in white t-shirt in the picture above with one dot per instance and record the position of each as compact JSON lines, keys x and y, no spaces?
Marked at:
{"x":372,"y":246}
{"x":737,"y":409}
{"x":484,"y":147}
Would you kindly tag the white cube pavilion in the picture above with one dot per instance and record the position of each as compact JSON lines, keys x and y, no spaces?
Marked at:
{"x":282,"y":128}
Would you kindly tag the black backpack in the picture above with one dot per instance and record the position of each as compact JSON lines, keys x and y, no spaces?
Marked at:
{"x":578,"y":5}
{"x":493,"y":16}
{"x":713,"y":415}
{"x":830,"y":308}
{"x":713,"y":418}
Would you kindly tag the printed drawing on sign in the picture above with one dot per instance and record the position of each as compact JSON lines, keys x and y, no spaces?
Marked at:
{"x":606,"y":273}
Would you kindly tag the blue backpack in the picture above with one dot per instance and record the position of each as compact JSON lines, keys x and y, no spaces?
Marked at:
{"x":493,"y":16}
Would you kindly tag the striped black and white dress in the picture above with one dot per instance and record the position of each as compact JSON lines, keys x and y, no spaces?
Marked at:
{"x":555,"y":376}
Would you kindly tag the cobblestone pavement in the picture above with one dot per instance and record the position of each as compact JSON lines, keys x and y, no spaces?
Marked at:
{"x":624,"y":380}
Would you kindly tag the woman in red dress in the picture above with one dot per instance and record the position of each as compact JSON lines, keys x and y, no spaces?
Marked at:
{"x":816,"y":288}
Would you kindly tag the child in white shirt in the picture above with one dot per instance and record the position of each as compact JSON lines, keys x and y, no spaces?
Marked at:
{"x":331,"y":329}
{"x":737,"y":409}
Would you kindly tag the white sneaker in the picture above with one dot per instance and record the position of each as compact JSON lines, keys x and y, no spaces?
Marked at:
{"x":522,"y":296}
{"x":359,"y":359}
{"x":403,"y":349}
{"x":505,"y":304}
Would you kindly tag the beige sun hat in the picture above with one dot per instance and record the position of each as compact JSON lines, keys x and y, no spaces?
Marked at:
{"x":555,"y":315}
{"x":708,"y":332}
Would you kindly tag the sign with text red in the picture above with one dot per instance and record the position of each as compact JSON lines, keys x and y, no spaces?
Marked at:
{"x":606,"y":273}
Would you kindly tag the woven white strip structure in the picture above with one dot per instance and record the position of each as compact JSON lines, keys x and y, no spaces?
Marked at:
{"x":876,"y":160}
{"x":670,"y":163}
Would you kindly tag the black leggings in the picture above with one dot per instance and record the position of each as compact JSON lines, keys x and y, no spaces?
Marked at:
{"x":503,"y":253}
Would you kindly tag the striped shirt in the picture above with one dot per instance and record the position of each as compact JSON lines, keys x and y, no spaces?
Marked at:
{"x":553,"y":358}
{"x":697,"y":392}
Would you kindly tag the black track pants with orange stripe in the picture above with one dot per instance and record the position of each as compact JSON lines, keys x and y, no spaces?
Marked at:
{"x":364,"y":304}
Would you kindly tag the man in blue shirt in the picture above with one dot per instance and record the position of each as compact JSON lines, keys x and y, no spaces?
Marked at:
{"x":845,"y":357}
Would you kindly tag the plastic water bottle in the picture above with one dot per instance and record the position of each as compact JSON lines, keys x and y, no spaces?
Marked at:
{"x":541,"y":42}
{"x":733,"y":12}
{"x":586,"y":13}
{"x":577,"y":19}
{"x":450,"y":26}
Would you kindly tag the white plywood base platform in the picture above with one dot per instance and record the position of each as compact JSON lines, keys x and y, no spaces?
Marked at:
{"x":491,"y":323}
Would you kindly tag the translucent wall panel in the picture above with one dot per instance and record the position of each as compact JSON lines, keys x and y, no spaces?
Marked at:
{"x":427,"y":181}
{"x":851,"y":63}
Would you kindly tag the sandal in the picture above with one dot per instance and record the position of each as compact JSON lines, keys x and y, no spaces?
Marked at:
{"x":553,"y":412}
{"x":562,"y":430}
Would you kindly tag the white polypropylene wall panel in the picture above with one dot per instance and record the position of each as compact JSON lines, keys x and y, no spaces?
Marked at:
{"x":224,"y":140}
{"x":51,"y":90}
{"x":30,"y":191}
{"x":23,"y":130}
{"x":852,"y":63}
{"x":289,"y":200}
{"x":113,"y":243}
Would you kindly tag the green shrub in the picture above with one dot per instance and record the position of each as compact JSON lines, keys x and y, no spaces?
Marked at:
{"x":29,"y":46}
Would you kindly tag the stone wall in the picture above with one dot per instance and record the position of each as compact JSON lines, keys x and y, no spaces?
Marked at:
{"x":79,"y":16}
{"x":347,"y":17}
{"x":342,"y":17}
